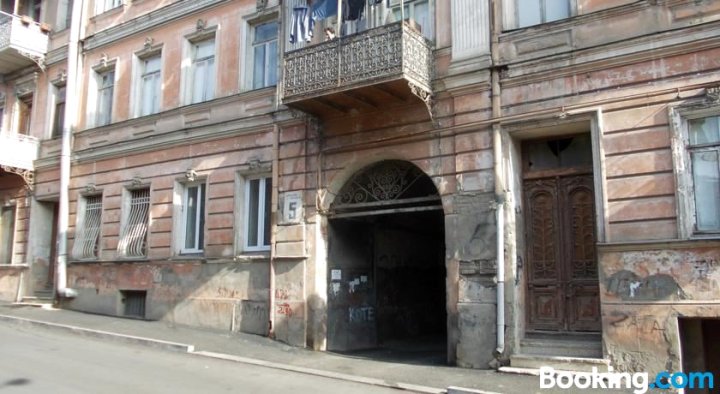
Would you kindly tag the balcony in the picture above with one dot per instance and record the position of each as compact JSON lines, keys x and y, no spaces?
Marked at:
{"x":368,"y":70}
{"x":18,"y":151}
{"x":23,"y":42}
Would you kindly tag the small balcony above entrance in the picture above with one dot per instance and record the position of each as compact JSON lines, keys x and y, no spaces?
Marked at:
{"x":23,"y":42}
{"x":367,"y":70}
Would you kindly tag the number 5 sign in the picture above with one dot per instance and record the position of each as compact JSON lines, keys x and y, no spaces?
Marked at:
{"x":292,"y":207}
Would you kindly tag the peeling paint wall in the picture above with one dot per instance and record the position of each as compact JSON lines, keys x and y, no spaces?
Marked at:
{"x":644,"y":293}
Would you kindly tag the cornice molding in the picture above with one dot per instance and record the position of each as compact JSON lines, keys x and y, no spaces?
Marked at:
{"x":616,"y":54}
{"x":176,"y":10}
{"x":57,"y":55}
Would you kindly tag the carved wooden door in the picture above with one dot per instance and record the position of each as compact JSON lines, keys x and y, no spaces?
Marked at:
{"x":562,"y":263}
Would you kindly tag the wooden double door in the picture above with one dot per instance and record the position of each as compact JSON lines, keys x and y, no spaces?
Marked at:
{"x":562,"y":278}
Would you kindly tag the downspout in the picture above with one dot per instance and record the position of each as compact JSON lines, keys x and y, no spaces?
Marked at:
{"x":498,"y":173}
{"x":71,"y":112}
{"x":273,"y":232}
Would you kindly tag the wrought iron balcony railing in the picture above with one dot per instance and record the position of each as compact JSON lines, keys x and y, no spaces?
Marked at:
{"x":22,"y":42}
{"x":18,"y":150}
{"x":384,"y":54}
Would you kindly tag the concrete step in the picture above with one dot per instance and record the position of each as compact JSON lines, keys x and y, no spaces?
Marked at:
{"x":44,"y":293}
{"x":568,"y":347}
{"x":39,"y":301}
{"x":578,"y":364}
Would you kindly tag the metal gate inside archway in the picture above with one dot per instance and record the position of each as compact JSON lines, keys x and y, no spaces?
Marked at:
{"x":386,"y":265}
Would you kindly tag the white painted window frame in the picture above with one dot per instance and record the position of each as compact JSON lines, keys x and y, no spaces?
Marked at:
{"x":242,"y":210}
{"x":410,"y":14}
{"x":685,"y":190}
{"x":248,"y":51}
{"x":93,"y":89}
{"x":189,"y":63}
{"x":511,"y":18}
{"x":180,"y":214}
{"x":140,"y":79}
{"x":102,"y":6}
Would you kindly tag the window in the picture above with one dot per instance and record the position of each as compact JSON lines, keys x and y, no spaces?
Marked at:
{"x":59,"y":112}
{"x":7,"y":233}
{"x":258,"y":193}
{"x":150,"y":85}
{"x":25,"y":105}
{"x":421,"y":11}
{"x":703,"y":152}
{"x":105,"y":90}
{"x":202,"y":75}
{"x":133,"y":237}
{"x":533,"y":12}
{"x":87,"y":238}
{"x":265,"y":55}
{"x":106,"y":5}
{"x":193,"y":213}
{"x":64,"y":14}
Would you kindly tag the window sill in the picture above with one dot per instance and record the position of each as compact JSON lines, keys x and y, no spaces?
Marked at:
{"x":255,"y":257}
{"x":14,"y":266}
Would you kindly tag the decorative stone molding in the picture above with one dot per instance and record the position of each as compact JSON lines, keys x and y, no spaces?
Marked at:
{"x":712,"y":95}
{"x":173,"y":11}
{"x":26,"y":86}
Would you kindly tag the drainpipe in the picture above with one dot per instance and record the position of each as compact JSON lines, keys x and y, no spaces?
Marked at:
{"x":273,"y":221}
{"x":71,"y":110}
{"x":498,"y":173}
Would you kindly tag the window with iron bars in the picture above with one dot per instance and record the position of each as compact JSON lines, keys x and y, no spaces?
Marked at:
{"x":133,"y":237}
{"x":87,"y":237}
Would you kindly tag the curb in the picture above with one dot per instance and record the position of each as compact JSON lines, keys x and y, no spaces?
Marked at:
{"x":190,"y":349}
{"x":326,"y":374}
{"x":155,"y":343}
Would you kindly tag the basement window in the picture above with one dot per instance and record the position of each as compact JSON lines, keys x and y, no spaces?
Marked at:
{"x":133,"y":303}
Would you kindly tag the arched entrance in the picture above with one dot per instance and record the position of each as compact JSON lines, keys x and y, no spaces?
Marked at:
{"x":386,"y":265}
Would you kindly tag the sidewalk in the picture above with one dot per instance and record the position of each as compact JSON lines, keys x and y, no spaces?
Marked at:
{"x":262,"y":351}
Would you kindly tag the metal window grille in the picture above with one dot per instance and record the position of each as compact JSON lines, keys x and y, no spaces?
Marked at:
{"x":88,"y":234}
{"x":133,"y":242}
{"x":134,"y":303}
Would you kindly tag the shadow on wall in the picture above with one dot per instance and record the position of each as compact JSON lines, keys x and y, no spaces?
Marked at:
{"x":317,"y":322}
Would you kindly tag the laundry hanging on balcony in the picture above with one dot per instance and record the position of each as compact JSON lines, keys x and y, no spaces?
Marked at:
{"x":301,"y":25}
{"x":353,"y":9}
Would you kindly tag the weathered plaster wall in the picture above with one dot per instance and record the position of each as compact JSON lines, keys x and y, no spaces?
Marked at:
{"x":223,"y":295}
{"x":644,"y":292}
{"x":9,"y":282}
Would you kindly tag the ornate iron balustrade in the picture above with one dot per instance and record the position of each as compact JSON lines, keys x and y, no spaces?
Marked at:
{"x":378,"y":55}
{"x":18,"y":150}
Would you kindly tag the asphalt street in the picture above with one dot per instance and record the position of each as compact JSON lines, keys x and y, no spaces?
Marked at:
{"x":36,"y":360}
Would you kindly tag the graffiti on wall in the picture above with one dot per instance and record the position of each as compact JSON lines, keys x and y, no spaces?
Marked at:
{"x":629,"y":286}
{"x":363,"y":314}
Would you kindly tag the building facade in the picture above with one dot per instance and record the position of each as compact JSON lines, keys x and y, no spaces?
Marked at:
{"x":375,"y":182}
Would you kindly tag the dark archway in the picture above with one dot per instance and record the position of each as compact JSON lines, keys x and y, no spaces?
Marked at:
{"x":386,"y":272}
